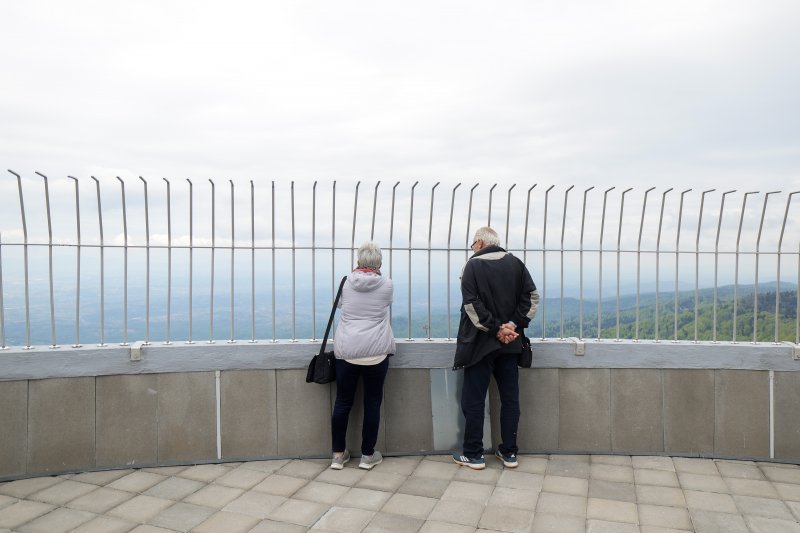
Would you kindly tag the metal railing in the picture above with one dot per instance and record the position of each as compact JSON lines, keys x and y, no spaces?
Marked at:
{"x":282,"y":237}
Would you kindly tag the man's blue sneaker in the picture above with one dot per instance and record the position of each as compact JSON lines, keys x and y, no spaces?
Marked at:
{"x":474,"y":463}
{"x":508,"y":459}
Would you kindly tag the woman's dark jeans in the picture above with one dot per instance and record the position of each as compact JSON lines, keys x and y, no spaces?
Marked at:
{"x":346,"y":380}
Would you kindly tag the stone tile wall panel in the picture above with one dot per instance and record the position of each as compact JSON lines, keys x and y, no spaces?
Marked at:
{"x":742,"y":413}
{"x":304,"y":415}
{"x":187,"y":419}
{"x":127,"y":428}
{"x":61,"y":424}
{"x":787,"y":415}
{"x":636,"y":410}
{"x":689,"y":406}
{"x":13,"y":427}
{"x":584,"y":410}
{"x":407,"y":404}
{"x":249,"y":416}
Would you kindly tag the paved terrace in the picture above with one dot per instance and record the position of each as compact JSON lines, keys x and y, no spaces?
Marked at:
{"x":557,"y":493}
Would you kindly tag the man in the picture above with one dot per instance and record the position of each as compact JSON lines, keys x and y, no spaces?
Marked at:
{"x":499,"y":300}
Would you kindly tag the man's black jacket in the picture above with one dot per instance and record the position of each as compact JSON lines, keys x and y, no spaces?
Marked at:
{"x":496,"y":288}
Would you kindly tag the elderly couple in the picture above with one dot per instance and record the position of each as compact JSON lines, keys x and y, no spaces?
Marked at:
{"x":499,"y":299}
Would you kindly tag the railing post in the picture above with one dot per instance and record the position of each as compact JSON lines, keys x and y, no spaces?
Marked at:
{"x":253,"y":262}
{"x":333,"y":243}
{"x":677,"y":261}
{"x":233,"y":255}
{"x":778,"y":274}
{"x":449,"y":234}
{"x":410,"y":226}
{"x":758,"y":252}
{"x":313,"y":262}
{"x":168,"y":340}
{"x":544,"y":262}
{"x":697,"y":261}
{"x":391,"y":241}
{"x":561,"y":279}
{"x":213,"y":258}
{"x":353,"y":234}
{"x":525,"y":238}
{"x":736,"y":269}
{"x":600,"y":267}
{"x":294,"y":271}
{"x":374,"y":207}
{"x":467,"y":248}
{"x":508,"y":213}
{"x":430,"y":234}
{"x":491,"y":191}
{"x":639,"y":261}
{"x":2,"y":303}
{"x":619,"y":246}
{"x":272,"y":245}
{"x":580,"y":260}
{"x":147,"y":248}
{"x":77,"y":343}
{"x":658,"y":258}
{"x":191,"y":256}
{"x":716,"y":263}
{"x":125,"y":275}
{"x":53,"y":343}
{"x":102,"y":266}
{"x":25,"y":264}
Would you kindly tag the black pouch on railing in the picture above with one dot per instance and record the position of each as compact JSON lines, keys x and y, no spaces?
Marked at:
{"x":525,"y":357}
{"x":322,"y":368}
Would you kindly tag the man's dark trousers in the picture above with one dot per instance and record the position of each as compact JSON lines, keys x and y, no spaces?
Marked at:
{"x":473,"y":396}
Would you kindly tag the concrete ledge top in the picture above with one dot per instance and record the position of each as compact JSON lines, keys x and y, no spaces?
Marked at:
{"x":43,"y":362}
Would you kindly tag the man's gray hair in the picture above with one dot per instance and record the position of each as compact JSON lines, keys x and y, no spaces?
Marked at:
{"x":488,"y":236}
{"x":369,"y":255}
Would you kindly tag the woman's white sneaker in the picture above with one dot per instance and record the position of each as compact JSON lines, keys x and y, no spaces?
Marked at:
{"x":337,"y":463}
{"x":369,"y":461}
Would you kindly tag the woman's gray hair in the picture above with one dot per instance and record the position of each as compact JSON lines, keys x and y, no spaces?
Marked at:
{"x":488,"y":236}
{"x":369,"y":255}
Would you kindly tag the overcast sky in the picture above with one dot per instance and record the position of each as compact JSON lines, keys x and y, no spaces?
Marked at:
{"x":684,"y":93}
{"x":596,"y":93}
{"x":699,"y":94}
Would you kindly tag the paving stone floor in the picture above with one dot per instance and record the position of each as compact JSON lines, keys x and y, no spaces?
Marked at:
{"x":558,"y":493}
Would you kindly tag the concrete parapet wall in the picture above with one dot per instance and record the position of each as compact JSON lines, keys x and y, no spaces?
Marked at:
{"x":693,"y":400}
{"x":708,"y":413}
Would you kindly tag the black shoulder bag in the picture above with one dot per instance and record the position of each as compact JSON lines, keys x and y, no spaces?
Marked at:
{"x":525,"y":357}
{"x":322,"y":368}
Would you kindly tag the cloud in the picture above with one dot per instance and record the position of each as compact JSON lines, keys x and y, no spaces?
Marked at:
{"x":684,"y":94}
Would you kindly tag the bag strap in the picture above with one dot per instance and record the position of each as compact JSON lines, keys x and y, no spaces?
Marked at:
{"x":330,"y":320}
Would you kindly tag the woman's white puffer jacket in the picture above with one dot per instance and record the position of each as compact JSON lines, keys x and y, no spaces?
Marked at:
{"x":364,"y":329}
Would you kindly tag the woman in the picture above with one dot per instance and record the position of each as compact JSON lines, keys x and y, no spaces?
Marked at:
{"x":362,"y":344}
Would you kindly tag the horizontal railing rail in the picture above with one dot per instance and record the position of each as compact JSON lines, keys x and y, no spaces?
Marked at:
{"x":675,"y":240}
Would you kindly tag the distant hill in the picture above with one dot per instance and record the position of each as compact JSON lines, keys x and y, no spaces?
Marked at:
{"x":551,"y":308}
{"x":745,"y":303}
{"x":300,"y":327}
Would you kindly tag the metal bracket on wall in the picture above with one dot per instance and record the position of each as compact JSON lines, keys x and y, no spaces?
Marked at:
{"x":136,"y":350}
{"x":580,"y":345}
{"x":795,"y":350}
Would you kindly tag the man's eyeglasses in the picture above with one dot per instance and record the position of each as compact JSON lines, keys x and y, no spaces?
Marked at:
{"x":472,"y":246}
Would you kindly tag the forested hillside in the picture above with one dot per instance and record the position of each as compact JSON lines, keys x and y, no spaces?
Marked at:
{"x":787,"y":316}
